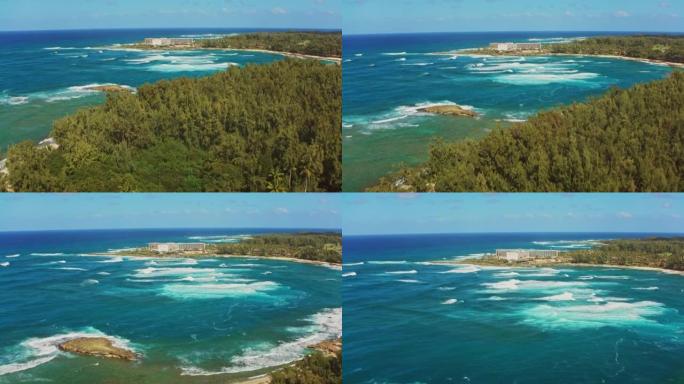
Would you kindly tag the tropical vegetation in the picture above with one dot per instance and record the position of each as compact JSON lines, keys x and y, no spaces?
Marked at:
{"x":326,"y":247}
{"x":317,"y":368}
{"x":625,"y":141}
{"x":272,"y":127}
{"x":652,"y":47}
{"x":326,"y":44}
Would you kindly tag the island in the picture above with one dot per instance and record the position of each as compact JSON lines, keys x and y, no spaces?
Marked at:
{"x":320,"y":248}
{"x":656,"y":253}
{"x":97,"y":347}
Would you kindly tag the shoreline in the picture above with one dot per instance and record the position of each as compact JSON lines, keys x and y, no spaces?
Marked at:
{"x":471,"y":53}
{"x":337,"y":60}
{"x":213,"y":256}
{"x":561,"y":264}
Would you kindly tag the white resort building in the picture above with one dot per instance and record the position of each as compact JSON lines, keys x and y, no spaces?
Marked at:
{"x":166,"y":41}
{"x":525,"y":254}
{"x":176,"y":247}
{"x":507,"y":47}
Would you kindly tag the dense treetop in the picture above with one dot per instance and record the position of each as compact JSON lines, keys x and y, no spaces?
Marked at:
{"x":327,"y":44}
{"x":664,"y":48}
{"x":665,"y":253}
{"x":317,"y":368}
{"x":272,"y":127}
{"x":628,"y":140}
{"x":326,"y":247}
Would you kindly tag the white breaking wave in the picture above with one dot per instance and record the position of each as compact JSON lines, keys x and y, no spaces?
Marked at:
{"x":394,"y":53}
{"x":71,"y":269}
{"x":5,"y":264}
{"x":327,"y":325}
{"x":466,"y":269}
{"x":13,"y":256}
{"x":566,"y":296}
{"x":408,"y":281}
{"x":217,"y":291}
{"x":352,"y":264}
{"x":349,"y":274}
{"x":515,"y":284}
{"x":543,"y":79}
{"x":184,"y":67}
{"x":38,"y":351}
{"x":450,"y":301}
{"x":388,"y":262}
{"x":117,"y":259}
{"x":610,"y":313}
{"x":47,"y":254}
{"x":646,"y":288}
{"x":411,"y":272}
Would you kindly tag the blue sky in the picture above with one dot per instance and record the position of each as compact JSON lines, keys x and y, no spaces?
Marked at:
{"x":396,"y":16}
{"x":87,"y":14}
{"x":367,"y":213}
{"x":126,"y":210}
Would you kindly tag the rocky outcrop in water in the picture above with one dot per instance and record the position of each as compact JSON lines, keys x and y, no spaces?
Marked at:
{"x":448,"y":110}
{"x":98,"y":347}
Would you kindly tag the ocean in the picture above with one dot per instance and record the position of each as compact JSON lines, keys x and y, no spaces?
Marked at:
{"x":44,"y":74}
{"x":409,"y":321}
{"x":388,"y":77}
{"x":194,"y":321}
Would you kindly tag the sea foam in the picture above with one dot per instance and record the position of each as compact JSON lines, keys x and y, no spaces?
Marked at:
{"x":38,"y":351}
{"x":326,"y":324}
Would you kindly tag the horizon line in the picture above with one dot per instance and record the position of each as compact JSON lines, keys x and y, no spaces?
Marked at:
{"x":511,"y":31}
{"x":509,"y":233}
{"x":170,"y":28}
{"x":164,"y":228}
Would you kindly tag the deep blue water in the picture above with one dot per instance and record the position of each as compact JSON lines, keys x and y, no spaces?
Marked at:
{"x":407,"y":320}
{"x":195,"y":321}
{"x":387,"y":77}
{"x":43,"y":73}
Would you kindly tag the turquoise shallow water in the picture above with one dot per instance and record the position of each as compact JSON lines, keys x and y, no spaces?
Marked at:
{"x":388,"y":77}
{"x":409,"y":321}
{"x":43,"y":74}
{"x":194,"y":321}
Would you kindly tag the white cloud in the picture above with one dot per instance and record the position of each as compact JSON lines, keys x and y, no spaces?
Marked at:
{"x":624,"y":215}
{"x":621,"y":13}
{"x":279,"y":11}
{"x":282,"y":211}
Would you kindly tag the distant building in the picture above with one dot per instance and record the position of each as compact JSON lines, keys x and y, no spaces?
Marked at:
{"x":167,"y":42}
{"x":506,"y":47}
{"x":526,"y":254}
{"x":176,"y":247}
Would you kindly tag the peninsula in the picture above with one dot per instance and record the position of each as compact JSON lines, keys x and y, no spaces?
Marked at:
{"x":657,"y":49}
{"x":281,"y":134}
{"x":312,"y":45}
{"x":306,"y":247}
{"x":657,"y":253}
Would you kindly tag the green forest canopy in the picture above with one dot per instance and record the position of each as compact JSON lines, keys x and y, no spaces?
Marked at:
{"x":664,"y":48}
{"x":654,"y":252}
{"x":627,"y":140}
{"x":271,"y":127}
{"x":326,"y":247}
{"x":327,"y":44}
